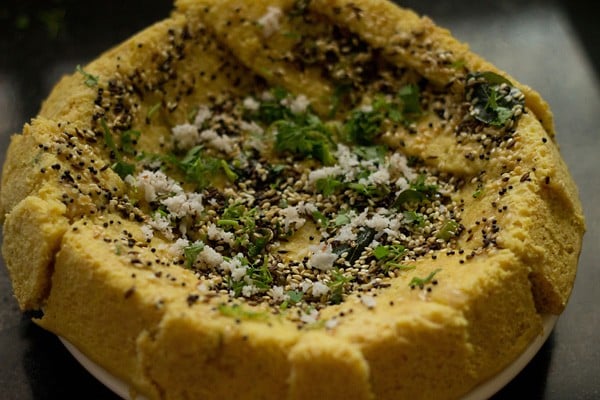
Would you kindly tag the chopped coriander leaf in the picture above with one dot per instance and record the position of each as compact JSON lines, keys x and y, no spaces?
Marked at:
{"x":229,"y":173}
{"x":421,"y":282}
{"x":449,"y":229}
{"x":381,"y":252}
{"x":295,"y":295}
{"x":369,"y":190}
{"x":306,"y":138}
{"x":191,"y":253}
{"x":362,"y":127}
{"x":261,"y":276}
{"x":259,"y":241}
{"x":108,"y":137}
{"x":493,"y":98}
{"x":201,"y":169}
{"x":89,"y":79}
{"x":152,"y":110}
{"x":415,"y":218}
{"x":320,"y":218}
{"x":123,"y":168}
{"x":339,"y":93}
{"x":377,"y":152}
{"x":391,"y":255}
{"x":328,"y":186}
{"x":273,"y":110}
{"x":478,"y":191}
{"x":411,"y":104}
{"x":392,"y":252}
{"x":341,"y":219}
{"x":129,"y":139}
{"x":408,"y":196}
{"x":336,"y":286}
{"x":418,"y":192}
{"x":421,"y":186}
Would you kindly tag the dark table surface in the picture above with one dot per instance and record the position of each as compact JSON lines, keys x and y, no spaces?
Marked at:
{"x":549,"y":45}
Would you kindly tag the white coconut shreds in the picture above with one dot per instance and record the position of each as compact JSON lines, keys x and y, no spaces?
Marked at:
{"x":183,"y":205}
{"x":398,"y":165}
{"x":291,"y":217}
{"x":249,"y":290}
{"x":347,"y":159}
{"x":299,"y":104}
{"x":251,"y":104}
{"x":251,"y":127}
{"x":147,"y":231}
{"x":156,"y":183}
{"x":346,"y":234}
{"x":210,"y":257}
{"x":270,"y":20}
{"x":324,"y":173}
{"x":379,"y":177}
{"x":235,"y":267}
{"x":218,"y":142}
{"x":185,"y":136}
{"x":162,"y":224}
{"x":204,"y":113}
{"x":217,"y":234}
{"x":310,"y":318}
{"x":322,"y":257}
{"x":319,"y":289}
{"x":176,"y":249}
{"x":278,"y":294}
{"x":305,"y":286}
{"x":378,"y":222}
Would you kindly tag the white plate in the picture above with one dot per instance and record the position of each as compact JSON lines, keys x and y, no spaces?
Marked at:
{"x":481,"y":392}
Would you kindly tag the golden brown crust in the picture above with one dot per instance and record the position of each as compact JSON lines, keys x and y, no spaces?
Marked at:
{"x":75,"y":251}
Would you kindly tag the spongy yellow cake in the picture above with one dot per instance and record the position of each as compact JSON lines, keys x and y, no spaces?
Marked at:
{"x":292,"y":199}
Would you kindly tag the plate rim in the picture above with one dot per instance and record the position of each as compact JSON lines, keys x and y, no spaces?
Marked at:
{"x":483,"y":391}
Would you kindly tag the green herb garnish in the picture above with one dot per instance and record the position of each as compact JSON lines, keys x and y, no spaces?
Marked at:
{"x":449,"y":229}
{"x":294,"y":296}
{"x":478,"y":191}
{"x":391,"y":255}
{"x":89,"y":79}
{"x":305,"y":137}
{"x":421,"y":282}
{"x":201,"y":169}
{"x":413,"y":217}
{"x":411,"y":103}
{"x":121,"y":167}
{"x":363,"y":127}
{"x":493,"y":98}
{"x":336,"y":286}
{"x":129,"y":140}
{"x":153,"y":109}
{"x":418,"y":192}
{"x":191,"y":253}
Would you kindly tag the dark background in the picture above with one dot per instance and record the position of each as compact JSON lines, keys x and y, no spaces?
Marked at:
{"x":550,"y":45}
